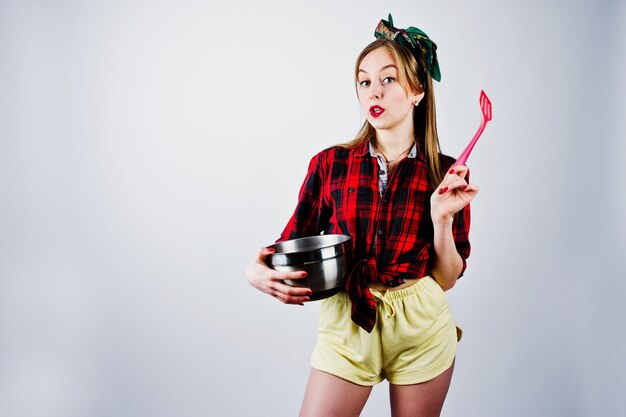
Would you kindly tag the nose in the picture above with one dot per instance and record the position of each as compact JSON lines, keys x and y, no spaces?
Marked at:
{"x":376,"y":91}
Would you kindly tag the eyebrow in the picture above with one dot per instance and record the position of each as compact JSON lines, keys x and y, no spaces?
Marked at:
{"x":383,"y":68}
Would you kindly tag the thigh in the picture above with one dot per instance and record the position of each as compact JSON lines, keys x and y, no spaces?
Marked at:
{"x":420,"y":340}
{"x":330,"y":396}
{"x":420,"y":400}
{"x":343,"y":349}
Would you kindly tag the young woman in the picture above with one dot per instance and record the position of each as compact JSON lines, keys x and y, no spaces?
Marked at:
{"x":406,"y":208}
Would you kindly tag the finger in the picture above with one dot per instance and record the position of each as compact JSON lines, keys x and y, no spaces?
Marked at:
{"x":460,"y":170}
{"x":290,"y":299}
{"x":465,"y":189}
{"x":457,"y":184}
{"x":448,"y":183}
{"x":466,"y":194}
{"x":290,"y":275}
{"x":296,"y":300}
{"x":293,"y":290}
{"x":274,"y":275}
{"x":456,"y":171}
{"x":471,"y":188}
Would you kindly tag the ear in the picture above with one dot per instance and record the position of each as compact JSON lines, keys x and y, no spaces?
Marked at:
{"x":417,"y":98}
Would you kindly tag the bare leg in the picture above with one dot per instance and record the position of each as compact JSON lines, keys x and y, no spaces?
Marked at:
{"x":329,"y":396}
{"x":420,"y":400}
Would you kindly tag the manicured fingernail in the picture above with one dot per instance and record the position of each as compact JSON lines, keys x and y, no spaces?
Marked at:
{"x":271,"y":250}
{"x":443,"y":190}
{"x":304,"y":275}
{"x":451,"y":171}
{"x":463,"y":188}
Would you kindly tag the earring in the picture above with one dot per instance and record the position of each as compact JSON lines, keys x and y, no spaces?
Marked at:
{"x":417,"y":102}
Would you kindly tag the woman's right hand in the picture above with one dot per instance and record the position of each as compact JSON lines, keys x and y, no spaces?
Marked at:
{"x":270,"y":281}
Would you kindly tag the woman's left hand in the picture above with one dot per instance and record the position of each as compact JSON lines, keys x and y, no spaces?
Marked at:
{"x":452,"y":194}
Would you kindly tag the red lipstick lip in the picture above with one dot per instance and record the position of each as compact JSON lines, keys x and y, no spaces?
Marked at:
{"x":376,"y":111}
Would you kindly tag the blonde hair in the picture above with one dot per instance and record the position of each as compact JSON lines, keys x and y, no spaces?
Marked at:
{"x":424,"y":115}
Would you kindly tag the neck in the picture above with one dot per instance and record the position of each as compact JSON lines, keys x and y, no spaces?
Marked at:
{"x":397,"y":139}
{"x":392,"y":145}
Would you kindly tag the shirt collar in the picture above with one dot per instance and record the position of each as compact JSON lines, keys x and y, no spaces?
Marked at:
{"x":367,"y":148}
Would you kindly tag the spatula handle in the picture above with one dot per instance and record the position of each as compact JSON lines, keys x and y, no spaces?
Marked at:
{"x":468,"y":149}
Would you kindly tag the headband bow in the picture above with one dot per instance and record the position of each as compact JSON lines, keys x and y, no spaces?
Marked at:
{"x":416,"y":40}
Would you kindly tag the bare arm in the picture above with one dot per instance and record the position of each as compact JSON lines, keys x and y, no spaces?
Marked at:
{"x":448,"y":263}
{"x":451,"y":196}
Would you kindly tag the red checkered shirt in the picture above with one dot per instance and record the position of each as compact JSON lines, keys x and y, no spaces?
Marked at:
{"x":392,"y":233}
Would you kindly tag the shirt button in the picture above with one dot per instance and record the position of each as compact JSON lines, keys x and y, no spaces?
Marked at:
{"x":382,"y":172}
{"x":350,"y":190}
{"x":380,"y":232}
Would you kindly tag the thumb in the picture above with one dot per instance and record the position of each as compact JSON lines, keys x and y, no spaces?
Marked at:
{"x":264,"y":252}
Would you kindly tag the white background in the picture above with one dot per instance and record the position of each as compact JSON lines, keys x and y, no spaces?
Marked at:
{"x":149,"y":148}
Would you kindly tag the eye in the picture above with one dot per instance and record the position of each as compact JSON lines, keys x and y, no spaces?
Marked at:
{"x":388,"y":80}
{"x":364,"y":83}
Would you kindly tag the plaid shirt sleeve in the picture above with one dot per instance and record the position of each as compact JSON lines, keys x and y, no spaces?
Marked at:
{"x":460,"y":231}
{"x":310,"y":216}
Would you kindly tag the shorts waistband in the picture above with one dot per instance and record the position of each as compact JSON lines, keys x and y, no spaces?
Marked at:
{"x":386,"y":298}
{"x":404,"y":292}
{"x":391,"y":295}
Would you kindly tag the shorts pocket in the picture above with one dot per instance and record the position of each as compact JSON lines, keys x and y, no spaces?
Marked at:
{"x":433,"y":299}
{"x":334,"y":313}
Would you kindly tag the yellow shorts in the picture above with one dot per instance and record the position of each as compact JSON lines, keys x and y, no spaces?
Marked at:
{"x":414,"y":339}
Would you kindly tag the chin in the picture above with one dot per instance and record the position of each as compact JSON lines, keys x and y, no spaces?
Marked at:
{"x":379,"y":125}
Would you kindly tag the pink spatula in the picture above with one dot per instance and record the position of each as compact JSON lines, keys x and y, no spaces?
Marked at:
{"x":485,"y":107}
